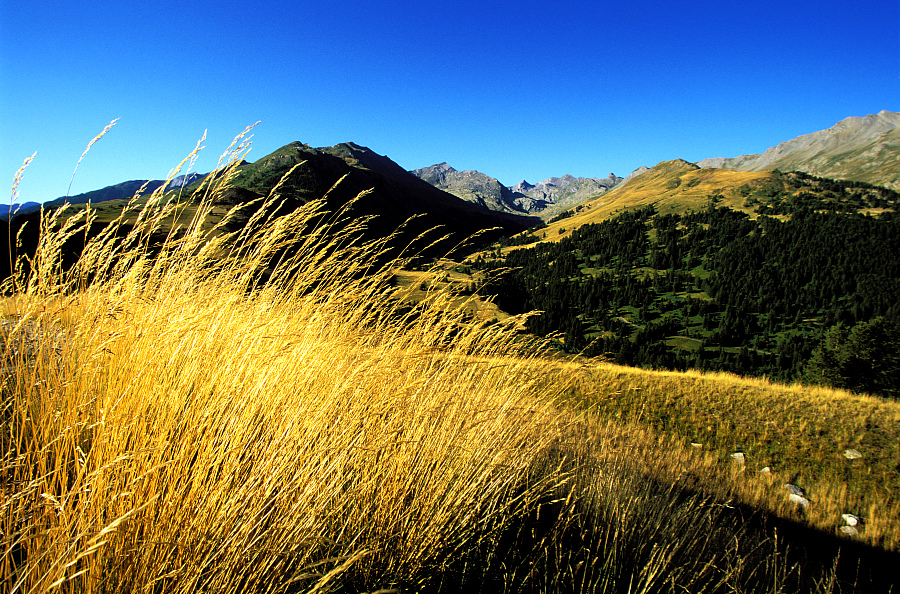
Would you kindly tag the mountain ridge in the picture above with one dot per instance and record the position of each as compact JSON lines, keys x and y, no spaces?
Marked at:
{"x":544,"y":199}
{"x":355,"y":183}
{"x":862,"y":149}
{"x":391,"y":193}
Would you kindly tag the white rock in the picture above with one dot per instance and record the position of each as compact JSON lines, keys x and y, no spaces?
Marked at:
{"x":793,"y":489}
{"x":850,"y":519}
{"x":738,"y":457}
{"x":798,"y":499}
{"x":698,"y":446}
{"x":852,"y":454}
{"x":766,"y":470}
{"x":849,"y":530}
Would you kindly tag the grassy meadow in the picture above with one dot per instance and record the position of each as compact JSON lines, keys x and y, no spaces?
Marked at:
{"x":796,"y":434}
{"x":221,"y":414}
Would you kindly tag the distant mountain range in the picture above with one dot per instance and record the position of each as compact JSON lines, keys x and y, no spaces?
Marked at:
{"x":545,"y":198}
{"x":863,"y":149}
{"x":115,"y":192}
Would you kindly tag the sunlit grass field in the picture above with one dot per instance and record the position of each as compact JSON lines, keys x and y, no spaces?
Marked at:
{"x":842,"y":449}
{"x":220,"y":413}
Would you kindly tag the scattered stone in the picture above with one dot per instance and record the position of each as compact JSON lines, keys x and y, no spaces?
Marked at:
{"x":793,"y":489}
{"x":850,"y":519}
{"x":852,"y":454}
{"x":766,"y":470}
{"x":798,"y":499}
{"x":849,"y":530}
{"x":738,"y":457}
{"x":698,"y":446}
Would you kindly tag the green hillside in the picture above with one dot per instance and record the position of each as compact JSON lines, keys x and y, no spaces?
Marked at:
{"x":751,"y":282}
{"x":678,"y":187}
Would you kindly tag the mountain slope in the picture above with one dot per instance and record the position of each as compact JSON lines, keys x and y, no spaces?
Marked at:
{"x":671,"y":187}
{"x":678,"y":187}
{"x":863,"y":149}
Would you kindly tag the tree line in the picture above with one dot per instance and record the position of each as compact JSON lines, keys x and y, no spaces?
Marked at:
{"x":713,"y":290}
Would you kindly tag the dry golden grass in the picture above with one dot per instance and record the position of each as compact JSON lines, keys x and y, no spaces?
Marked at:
{"x":658,"y":187}
{"x":202,"y":431}
{"x":223,"y":414}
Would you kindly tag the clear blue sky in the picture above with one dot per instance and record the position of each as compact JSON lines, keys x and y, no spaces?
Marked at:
{"x":517,"y":90}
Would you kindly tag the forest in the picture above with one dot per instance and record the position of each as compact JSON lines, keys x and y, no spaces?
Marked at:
{"x":716,"y":289}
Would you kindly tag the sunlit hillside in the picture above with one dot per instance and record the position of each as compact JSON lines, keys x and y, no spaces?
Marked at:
{"x":679,"y":187}
{"x":672,"y":186}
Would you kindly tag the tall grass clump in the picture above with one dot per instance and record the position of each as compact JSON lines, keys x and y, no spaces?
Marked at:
{"x":250,"y":411}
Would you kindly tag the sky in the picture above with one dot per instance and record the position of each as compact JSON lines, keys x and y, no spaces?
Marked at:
{"x":516,"y":90}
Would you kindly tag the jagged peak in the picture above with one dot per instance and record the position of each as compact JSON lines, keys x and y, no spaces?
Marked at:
{"x":437,"y":168}
{"x":676,"y":164}
{"x":639,"y":170}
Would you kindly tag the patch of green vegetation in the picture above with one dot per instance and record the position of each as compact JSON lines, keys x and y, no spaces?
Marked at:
{"x":684,"y":343}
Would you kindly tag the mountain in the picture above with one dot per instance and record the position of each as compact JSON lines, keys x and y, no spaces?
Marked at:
{"x":371,"y":186}
{"x":478,"y":188}
{"x":396,"y":193}
{"x":127,"y":190}
{"x":546,"y":198}
{"x":863,"y":149}
{"x":674,"y":186}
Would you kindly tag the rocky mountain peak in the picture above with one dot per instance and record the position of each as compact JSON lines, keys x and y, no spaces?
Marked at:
{"x":546,"y":197}
{"x":436,"y":175}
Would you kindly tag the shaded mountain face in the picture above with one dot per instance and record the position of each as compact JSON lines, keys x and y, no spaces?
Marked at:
{"x":545,"y":199}
{"x":863,"y":149}
{"x":395,"y":195}
{"x":373,"y":186}
{"x":18,"y":208}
